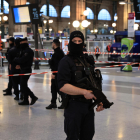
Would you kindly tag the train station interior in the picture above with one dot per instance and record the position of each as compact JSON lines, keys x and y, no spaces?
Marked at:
{"x":111,"y":30}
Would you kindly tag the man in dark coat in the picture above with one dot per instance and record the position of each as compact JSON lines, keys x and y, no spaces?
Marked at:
{"x":56,"y":57}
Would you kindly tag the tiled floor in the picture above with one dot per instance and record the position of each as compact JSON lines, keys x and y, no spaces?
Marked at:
{"x":121,"y":122}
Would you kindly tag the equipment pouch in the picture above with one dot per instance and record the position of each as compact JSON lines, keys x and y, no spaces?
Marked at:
{"x":65,"y":101}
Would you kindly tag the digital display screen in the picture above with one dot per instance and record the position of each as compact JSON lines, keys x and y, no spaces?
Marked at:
{"x":21,"y":36}
{"x":21,"y":14}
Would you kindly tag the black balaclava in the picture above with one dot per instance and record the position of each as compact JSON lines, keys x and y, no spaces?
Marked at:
{"x":12,"y":40}
{"x":17,"y":42}
{"x":76,"y":49}
{"x":24,"y":45}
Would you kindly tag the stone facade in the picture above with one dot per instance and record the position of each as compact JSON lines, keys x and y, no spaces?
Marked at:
{"x":62,"y":23}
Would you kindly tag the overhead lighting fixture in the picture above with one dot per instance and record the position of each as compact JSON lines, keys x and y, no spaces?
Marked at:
{"x":86,"y":12}
{"x":76,"y":24}
{"x":92,"y":31}
{"x":5,"y":18}
{"x":50,"y":21}
{"x":122,"y":2}
{"x":45,"y":21}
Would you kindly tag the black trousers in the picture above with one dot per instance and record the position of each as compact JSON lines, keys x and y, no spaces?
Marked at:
{"x":24,"y":85}
{"x":79,"y":121}
{"x":10,"y":84}
{"x":16,"y":81}
{"x":97,"y":55}
{"x":54,"y":90}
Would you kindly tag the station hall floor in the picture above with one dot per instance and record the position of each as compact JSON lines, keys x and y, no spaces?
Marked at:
{"x":120,"y":122}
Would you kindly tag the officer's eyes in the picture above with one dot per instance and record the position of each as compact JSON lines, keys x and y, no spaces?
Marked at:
{"x":80,"y":41}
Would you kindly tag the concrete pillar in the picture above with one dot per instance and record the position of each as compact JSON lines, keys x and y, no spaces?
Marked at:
{"x":122,"y":13}
{"x":77,"y":7}
{"x":20,"y":28}
{"x":11,"y":22}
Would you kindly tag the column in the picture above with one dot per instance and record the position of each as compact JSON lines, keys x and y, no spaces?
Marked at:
{"x":76,"y":11}
{"x":122,"y":13}
{"x":11,"y":22}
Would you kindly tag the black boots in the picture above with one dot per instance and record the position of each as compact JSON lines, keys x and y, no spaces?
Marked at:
{"x":25,"y":102}
{"x":51,"y":106}
{"x":61,"y":107}
{"x":34,"y":99}
{"x":5,"y":90}
{"x":7,"y":93}
{"x":16,"y":98}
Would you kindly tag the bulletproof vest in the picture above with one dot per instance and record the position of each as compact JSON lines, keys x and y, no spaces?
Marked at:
{"x":82,"y":72}
{"x":79,"y":73}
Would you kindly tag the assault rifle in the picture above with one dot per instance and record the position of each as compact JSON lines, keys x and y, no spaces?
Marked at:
{"x":98,"y":94}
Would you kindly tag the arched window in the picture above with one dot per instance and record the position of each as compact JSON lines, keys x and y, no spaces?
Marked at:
{"x":137,"y":20}
{"x":114,"y":17}
{"x":104,"y":15}
{"x":5,"y":6}
{"x":90,"y":13}
{"x":66,"y":12}
{"x":52,"y":10}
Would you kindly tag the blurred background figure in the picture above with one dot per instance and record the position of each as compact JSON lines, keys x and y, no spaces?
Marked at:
{"x":10,"y":85}
{"x":97,"y":50}
{"x":13,"y":53}
{"x":56,"y":57}
{"x":84,"y":48}
{"x":108,"y":48}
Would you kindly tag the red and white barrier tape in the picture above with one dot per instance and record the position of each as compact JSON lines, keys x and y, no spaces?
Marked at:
{"x":95,"y":61}
{"x":30,"y":73}
{"x":57,"y":71}
{"x":51,"y":51}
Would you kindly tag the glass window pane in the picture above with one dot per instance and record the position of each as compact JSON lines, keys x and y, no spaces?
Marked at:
{"x":104,"y":15}
{"x":52,"y":10}
{"x":66,"y":12}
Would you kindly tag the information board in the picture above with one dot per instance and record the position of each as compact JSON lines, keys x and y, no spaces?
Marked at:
{"x":21,"y":15}
{"x":26,"y":14}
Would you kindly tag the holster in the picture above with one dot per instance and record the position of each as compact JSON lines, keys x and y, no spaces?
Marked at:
{"x":65,"y":101}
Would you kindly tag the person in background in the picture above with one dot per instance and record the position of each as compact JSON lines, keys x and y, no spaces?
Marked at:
{"x":13,"y":53}
{"x":108,"y":48}
{"x":10,"y":85}
{"x":25,"y":62}
{"x":97,"y":50}
{"x":56,"y":57}
{"x":84,"y":48}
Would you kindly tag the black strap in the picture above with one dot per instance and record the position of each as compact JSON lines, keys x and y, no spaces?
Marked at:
{"x":90,"y":76}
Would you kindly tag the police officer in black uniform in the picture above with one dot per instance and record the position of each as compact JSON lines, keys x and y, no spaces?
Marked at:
{"x":25,"y":61}
{"x":84,"y":48}
{"x":56,"y":57}
{"x":10,"y":85}
{"x":79,"y":119}
{"x":13,"y":53}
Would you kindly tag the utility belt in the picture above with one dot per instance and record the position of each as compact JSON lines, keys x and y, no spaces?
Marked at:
{"x":26,"y":68}
{"x":79,"y":98}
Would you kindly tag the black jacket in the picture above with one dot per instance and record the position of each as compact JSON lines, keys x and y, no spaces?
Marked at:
{"x":7,"y":52}
{"x":26,"y":58}
{"x":13,"y":53}
{"x":56,"y":57}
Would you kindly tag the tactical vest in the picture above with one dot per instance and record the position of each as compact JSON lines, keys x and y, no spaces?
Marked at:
{"x":83,"y":69}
